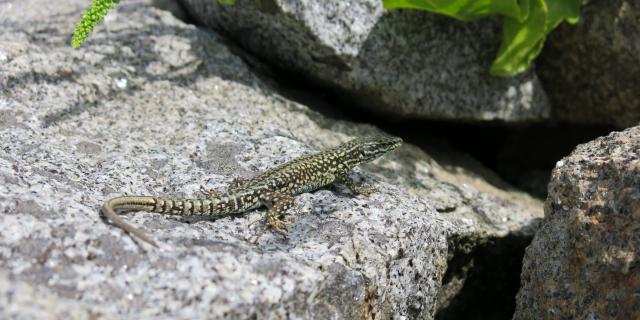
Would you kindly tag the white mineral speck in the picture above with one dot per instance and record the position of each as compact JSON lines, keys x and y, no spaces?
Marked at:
{"x":121,"y":83}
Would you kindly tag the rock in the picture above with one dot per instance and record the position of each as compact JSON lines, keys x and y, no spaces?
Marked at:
{"x":151,"y":105}
{"x":591,"y":70}
{"x":402,"y":63}
{"x":19,"y":300}
{"x":583,"y":262}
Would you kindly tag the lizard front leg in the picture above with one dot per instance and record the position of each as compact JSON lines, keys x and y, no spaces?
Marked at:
{"x":355,"y":189}
{"x":278,"y":204}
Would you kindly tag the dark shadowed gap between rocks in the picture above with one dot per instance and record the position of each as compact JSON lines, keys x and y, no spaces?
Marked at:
{"x":483,"y":275}
{"x":482,"y":278}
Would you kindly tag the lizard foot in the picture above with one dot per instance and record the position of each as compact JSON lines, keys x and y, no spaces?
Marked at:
{"x":275,"y":224}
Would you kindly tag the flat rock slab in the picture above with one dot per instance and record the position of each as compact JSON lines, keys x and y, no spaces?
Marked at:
{"x":154,"y":106}
{"x":583,"y":262}
{"x":402,"y":63}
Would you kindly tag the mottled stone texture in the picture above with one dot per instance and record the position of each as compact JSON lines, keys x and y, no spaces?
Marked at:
{"x":584,"y":262}
{"x":153,"y":106}
{"x":591,"y":70}
{"x":404,"y":63}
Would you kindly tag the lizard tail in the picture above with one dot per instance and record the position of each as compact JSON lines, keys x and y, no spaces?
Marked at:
{"x":129,"y":203}
{"x":182,"y":207}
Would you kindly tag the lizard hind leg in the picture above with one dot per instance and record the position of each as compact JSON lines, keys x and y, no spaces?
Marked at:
{"x":278,"y":204}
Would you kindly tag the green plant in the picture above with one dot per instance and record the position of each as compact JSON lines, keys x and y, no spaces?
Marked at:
{"x":90,"y":19}
{"x":525,"y":26}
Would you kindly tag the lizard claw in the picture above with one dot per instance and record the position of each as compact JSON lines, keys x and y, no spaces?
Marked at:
{"x":277,"y":225}
{"x":274,"y":224}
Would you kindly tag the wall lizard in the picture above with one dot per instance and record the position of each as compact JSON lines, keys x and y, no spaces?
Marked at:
{"x":274,"y":188}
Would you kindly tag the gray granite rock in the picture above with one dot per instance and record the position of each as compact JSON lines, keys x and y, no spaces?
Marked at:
{"x":404,"y":63}
{"x":591,"y":70}
{"x":583,"y":262}
{"x":154,"y":106}
{"x":19,"y":300}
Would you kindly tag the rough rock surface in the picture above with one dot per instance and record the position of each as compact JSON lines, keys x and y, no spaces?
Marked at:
{"x":584,"y":262}
{"x":404,"y":63}
{"x":591,"y":70}
{"x":154,"y":106}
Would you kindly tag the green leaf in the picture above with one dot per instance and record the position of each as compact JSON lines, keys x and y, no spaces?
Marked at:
{"x":568,"y":10}
{"x":90,"y":19}
{"x":227,"y":2}
{"x":521,"y":41}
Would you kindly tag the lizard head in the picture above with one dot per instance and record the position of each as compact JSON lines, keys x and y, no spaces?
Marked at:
{"x":369,"y":148}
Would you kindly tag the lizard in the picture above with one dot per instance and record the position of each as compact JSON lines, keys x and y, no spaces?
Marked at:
{"x":273,"y":188}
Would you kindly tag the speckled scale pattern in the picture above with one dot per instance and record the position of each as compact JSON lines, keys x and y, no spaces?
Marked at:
{"x":274,"y":188}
